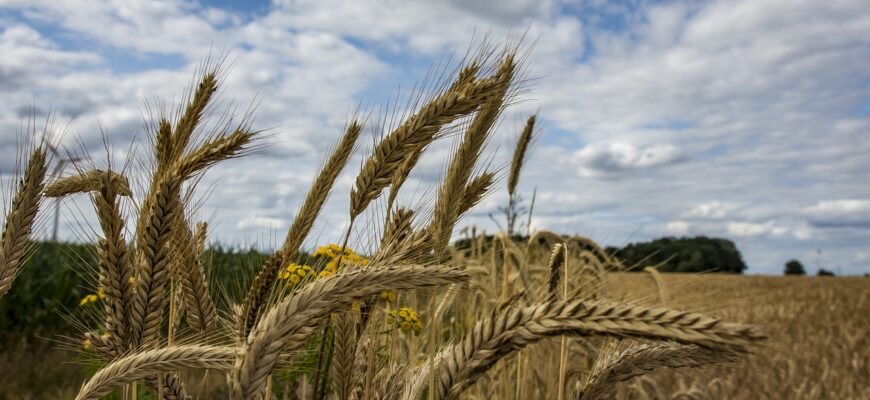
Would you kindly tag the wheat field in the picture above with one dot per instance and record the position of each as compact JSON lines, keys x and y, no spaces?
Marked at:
{"x":397,"y":309}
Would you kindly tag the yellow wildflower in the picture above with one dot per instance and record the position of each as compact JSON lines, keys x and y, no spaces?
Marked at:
{"x":407,"y":319}
{"x":295,"y":272}
{"x":86,"y":344}
{"x":91,"y":298}
{"x":101,"y":294}
{"x":388,"y":295}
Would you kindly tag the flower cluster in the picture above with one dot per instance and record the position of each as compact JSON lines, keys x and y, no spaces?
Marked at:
{"x":295,"y":273}
{"x":93,"y":298}
{"x":335,"y":254}
{"x":407,"y":319}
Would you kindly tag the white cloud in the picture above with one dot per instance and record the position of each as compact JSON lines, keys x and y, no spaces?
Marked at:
{"x":615,"y":159}
{"x":755,"y":229}
{"x":710,"y":210}
{"x":840,"y":213}
{"x":720,"y":118}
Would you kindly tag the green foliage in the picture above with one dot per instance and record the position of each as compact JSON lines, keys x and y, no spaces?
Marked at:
{"x":824,"y":272}
{"x":44,"y":299}
{"x":698,"y":254}
{"x":794,"y":267}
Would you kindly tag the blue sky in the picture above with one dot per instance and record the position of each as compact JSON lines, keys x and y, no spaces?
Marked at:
{"x":740,"y":119}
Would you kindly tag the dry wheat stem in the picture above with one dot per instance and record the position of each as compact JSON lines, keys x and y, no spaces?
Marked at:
{"x":451,"y":192}
{"x":461,"y":365}
{"x":20,"y":217}
{"x":151,"y":362}
{"x":643,"y":359}
{"x":288,"y":323}
{"x":263,"y":283}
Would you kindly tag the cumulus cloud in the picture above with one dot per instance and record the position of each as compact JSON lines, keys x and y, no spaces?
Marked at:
{"x":615,"y":159}
{"x":732,"y":118}
{"x":844,"y":213}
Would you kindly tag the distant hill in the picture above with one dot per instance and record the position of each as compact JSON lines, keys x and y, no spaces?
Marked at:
{"x":696,"y":254}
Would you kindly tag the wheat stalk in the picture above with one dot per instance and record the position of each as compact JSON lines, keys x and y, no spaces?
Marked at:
{"x":520,"y":154}
{"x":146,"y":312}
{"x":152,"y":362}
{"x":20,"y":217}
{"x":451,"y":192}
{"x":554,"y":267}
{"x":89,"y":181}
{"x":392,"y":151}
{"x":289,"y":322}
{"x":201,"y":314}
{"x":492,"y":339}
{"x":640,"y":360}
{"x":466,"y":77}
{"x":344,"y":354}
{"x":474,"y":191}
{"x":193,"y":113}
{"x":263,"y":283}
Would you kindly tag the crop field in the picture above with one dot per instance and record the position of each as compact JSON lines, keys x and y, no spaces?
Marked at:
{"x":818,"y":346}
{"x":398,"y":308}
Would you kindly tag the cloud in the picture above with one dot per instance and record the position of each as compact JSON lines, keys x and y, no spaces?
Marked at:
{"x":615,"y":159}
{"x":723,"y":118}
{"x":844,"y":213}
{"x":710,"y":210}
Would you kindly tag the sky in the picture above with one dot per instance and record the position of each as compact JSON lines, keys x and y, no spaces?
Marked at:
{"x":742,"y":119}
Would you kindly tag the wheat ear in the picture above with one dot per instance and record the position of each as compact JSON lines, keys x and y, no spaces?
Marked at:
{"x":392,"y":151}
{"x":146,"y":312}
{"x":115,"y":267}
{"x":554,"y":268}
{"x":344,"y":354}
{"x":640,"y":360}
{"x":193,"y":113}
{"x":214,"y":151}
{"x":20,"y":217}
{"x":475,"y":191}
{"x":459,"y":366}
{"x":88,"y":181}
{"x":466,"y":77}
{"x":262,"y":285}
{"x":520,"y":154}
{"x":451,"y":192}
{"x":152,"y":362}
{"x":289,"y":322}
{"x":201,"y":314}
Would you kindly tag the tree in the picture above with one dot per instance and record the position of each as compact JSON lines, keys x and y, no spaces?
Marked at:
{"x":824,"y":272}
{"x":794,"y":267}
{"x":696,"y":254}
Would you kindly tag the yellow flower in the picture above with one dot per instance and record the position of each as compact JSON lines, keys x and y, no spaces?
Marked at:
{"x":101,"y":294}
{"x":407,"y":319}
{"x":325,"y":274}
{"x":91,"y":298}
{"x":86,"y":344}
{"x":295,"y":272}
{"x":388,"y":295}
